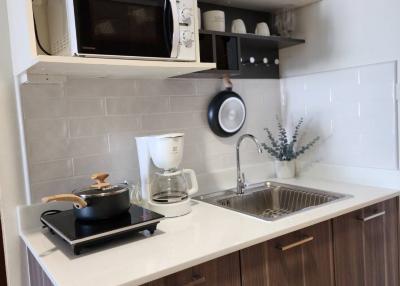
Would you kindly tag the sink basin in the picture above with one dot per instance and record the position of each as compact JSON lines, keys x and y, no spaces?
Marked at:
{"x":271,"y":201}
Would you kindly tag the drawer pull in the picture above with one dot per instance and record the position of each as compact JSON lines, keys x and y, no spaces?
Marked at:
{"x":364,"y":219}
{"x":295,"y":244}
{"x":196,"y":280}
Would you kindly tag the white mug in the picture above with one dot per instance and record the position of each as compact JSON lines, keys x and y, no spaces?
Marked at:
{"x":238,"y":26}
{"x":262,"y":29}
{"x":214,"y":20}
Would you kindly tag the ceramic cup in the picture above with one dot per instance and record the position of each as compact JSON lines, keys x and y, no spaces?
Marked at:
{"x":214,"y":20}
{"x":262,"y":29}
{"x":238,"y":26}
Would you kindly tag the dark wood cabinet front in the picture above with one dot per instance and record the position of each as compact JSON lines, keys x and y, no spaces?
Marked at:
{"x":224,"y":271}
{"x":301,"y":258}
{"x":366,"y":246}
{"x":357,"y":249}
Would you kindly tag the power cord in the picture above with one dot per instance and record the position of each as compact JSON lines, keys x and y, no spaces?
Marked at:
{"x":37,"y":36}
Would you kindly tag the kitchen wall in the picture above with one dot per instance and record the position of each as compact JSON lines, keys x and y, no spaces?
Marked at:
{"x":342,"y":34}
{"x":12,"y":191}
{"x":79,"y":126}
{"x":352,"y":110}
{"x":344,"y":37}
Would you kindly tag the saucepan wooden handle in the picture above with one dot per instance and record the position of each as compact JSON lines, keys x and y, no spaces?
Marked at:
{"x":77,"y":201}
{"x":100,"y":179}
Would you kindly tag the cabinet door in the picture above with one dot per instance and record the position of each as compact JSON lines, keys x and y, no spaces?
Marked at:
{"x":37,"y":276}
{"x":300,"y":258}
{"x":224,"y":271}
{"x":366,"y":246}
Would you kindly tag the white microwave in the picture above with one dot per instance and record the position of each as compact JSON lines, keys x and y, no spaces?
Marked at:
{"x":129,"y":29}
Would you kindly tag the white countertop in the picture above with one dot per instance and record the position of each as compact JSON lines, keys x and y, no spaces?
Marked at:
{"x":206,"y":233}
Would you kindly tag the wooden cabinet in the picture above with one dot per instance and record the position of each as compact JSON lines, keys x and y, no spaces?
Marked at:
{"x":37,"y":276}
{"x":224,"y":271}
{"x":357,"y":249}
{"x":366,"y":246}
{"x":301,"y":258}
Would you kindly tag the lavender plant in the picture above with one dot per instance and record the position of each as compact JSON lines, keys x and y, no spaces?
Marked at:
{"x":283,"y":148}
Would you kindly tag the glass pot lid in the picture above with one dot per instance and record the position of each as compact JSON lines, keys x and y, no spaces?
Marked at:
{"x":89,"y":192}
{"x":101,"y":188}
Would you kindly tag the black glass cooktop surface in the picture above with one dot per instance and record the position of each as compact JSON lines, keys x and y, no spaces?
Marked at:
{"x":75,"y":231}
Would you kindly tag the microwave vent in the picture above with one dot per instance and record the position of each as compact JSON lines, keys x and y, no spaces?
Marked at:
{"x":58,"y":27}
{"x":59,"y":44}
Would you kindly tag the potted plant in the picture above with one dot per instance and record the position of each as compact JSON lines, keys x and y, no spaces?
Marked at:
{"x":285,"y":151}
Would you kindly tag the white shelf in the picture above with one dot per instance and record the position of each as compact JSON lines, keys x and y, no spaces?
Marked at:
{"x":114,"y":68}
{"x":26,"y":57}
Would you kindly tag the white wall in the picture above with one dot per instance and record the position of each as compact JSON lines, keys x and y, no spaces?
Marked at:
{"x":352,"y":110}
{"x":81,"y":126}
{"x":11,"y":175}
{"x":343,"y":34}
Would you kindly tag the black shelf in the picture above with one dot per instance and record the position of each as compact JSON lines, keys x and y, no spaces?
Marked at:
{"x":273,"y":42}
{"x":242,"y":55}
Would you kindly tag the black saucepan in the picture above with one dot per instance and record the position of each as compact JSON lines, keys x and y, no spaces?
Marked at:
{"x":226,"y":112}
{"x":97,"y":202}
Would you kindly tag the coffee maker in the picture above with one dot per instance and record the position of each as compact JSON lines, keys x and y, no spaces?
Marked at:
{"x":165,"y":187}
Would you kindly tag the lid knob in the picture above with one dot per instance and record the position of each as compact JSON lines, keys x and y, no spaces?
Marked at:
{"x":100,"y":179}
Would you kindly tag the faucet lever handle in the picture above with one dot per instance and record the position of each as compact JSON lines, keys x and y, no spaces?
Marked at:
{"x":243,"y":179}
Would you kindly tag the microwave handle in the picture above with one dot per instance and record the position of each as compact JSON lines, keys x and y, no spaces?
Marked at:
{"x":175,"y":28}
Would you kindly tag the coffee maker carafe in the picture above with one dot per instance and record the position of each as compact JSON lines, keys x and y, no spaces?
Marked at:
{"x":165,"y":187}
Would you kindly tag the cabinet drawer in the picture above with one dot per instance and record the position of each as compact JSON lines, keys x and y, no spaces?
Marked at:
{"x":224,"y":271}
{"x":300,"y":258}
{"x":366,"y":246}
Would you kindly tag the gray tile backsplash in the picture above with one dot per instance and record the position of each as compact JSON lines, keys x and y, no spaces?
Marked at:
{"x":86,"y":125}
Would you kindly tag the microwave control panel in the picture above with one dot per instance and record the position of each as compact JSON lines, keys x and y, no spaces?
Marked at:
{"x":186,"y":13}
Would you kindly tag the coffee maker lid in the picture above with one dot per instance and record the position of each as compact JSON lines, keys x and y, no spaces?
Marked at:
{"x":170,"y":135}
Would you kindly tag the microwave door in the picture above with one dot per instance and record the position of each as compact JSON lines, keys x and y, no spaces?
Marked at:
{"x":171,"y":26}
{"x":127,"y":28}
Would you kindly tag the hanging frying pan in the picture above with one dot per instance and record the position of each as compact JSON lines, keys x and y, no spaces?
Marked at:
{"x":226,"y":111}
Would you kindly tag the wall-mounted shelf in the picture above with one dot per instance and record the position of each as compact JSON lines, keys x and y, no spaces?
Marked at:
{"x":273,"y":42}
{"x":263,"y":5}
{"x":232,"y":52}
{"x":27,"y":58}
{"x":242,"y":55}
{"x":116,"y":68}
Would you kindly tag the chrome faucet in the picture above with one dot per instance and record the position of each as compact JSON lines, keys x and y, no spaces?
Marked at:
{"x":241,"y":182}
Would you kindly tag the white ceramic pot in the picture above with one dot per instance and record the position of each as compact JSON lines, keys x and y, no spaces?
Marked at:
{"x":214,"y":20}
{"x":285,"y":169}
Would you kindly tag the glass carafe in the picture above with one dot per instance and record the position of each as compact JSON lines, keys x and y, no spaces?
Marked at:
{"x":171,"y":186}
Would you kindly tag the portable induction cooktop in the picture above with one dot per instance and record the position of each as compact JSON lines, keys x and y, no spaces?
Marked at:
{"x":79,"y":234}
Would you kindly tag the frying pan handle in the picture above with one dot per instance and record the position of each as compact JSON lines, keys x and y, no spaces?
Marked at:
{"x":100,"y":179}
{"x":227,"y":81}
{"x":193,"y":180}
{"x":79,"y":203}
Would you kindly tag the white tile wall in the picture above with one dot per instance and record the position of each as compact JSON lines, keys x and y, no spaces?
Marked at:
{"x":88,"y":125}
{"x":354,"y":110}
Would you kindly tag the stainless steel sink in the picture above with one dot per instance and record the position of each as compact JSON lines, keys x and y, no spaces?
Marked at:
{"x":271,"y":201}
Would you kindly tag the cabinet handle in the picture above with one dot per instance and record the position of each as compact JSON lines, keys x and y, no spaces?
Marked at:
{"x":364,"y":219}
{"x":295,"y":244}
{"x":196,"y":280}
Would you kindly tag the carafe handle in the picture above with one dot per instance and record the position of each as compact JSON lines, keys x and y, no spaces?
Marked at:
{"x":193,"y":180}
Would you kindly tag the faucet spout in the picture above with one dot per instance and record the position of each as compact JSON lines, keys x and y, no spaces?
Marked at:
{"x":240,"y":177}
